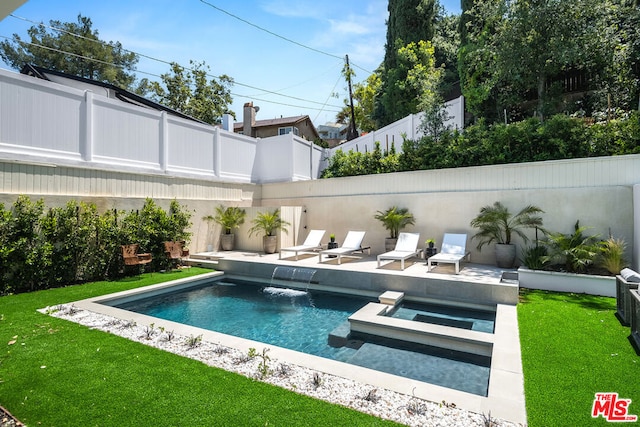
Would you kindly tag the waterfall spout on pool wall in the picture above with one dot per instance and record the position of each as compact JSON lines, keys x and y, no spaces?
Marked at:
{"x":293,"y":274}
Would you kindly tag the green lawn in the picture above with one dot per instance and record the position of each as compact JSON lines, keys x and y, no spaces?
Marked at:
{"x":61,"y":373}
{"x":572,"y":347}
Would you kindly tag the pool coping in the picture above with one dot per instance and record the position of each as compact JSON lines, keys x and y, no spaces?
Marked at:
{"x":505,"y":398}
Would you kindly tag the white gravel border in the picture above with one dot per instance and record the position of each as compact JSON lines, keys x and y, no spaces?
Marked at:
{"x":381,"y":403}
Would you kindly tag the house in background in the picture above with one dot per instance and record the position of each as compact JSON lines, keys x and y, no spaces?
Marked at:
{"x":333,"y":133}
{"x":298,"y":125}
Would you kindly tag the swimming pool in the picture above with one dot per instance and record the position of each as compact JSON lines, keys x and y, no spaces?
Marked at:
{"x":302,"y":321}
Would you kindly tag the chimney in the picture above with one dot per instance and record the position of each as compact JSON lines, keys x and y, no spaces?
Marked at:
{"x":249,"y":119}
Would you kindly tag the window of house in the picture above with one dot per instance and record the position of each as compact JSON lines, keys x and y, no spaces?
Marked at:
{"x":289,"y":129}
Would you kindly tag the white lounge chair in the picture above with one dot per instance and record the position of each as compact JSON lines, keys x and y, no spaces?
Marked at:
{"x":312,"y":243}
{"x":352,"y":243}
{"x":454,"y":250}
{"x":406,"y":247}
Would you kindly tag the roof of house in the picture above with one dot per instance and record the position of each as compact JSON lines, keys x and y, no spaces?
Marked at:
{"x":282,"y":121}
{"x":121,"y":94}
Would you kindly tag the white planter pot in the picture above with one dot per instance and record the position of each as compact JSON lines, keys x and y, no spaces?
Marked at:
{"x":567,"y":282}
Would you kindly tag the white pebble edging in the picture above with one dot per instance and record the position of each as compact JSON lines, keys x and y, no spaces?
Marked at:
{"x":381,"y":403}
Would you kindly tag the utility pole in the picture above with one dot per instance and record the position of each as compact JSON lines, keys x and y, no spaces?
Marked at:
{"x":352,"y":133}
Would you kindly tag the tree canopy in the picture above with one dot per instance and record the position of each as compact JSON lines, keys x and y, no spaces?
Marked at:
{"x":515,"y":52}
{"x":73,"y":48}
{"x":192,"y":92}
{"x":364,"y":98}
{"x":76,"y":49}
{"x":410,"y":21}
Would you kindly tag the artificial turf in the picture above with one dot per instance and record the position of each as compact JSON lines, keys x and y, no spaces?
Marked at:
{"x":573,"y":346}
{"x":55,"y":373}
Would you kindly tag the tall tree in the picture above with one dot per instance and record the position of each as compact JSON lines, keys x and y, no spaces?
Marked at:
{"x":413,"y":85}
{"x":479,"y":23}
{"x":191,"y":92}
{"x":410,"y":21}
{"x":446,"y":42}
{"x":72,"y":48}
{"x":513,"y":49}
{"x":619,"y":78}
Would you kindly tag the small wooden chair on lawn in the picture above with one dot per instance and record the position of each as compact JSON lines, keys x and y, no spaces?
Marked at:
{"x":175,"y":251}
{"x":131,"y":257}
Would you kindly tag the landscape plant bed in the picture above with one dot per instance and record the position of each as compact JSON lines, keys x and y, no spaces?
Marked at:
{"x":560,"y":281}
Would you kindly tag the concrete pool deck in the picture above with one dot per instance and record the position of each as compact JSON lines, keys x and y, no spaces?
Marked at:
{"x":473,"y":287}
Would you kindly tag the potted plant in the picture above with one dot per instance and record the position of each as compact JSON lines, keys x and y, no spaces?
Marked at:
{"x":430,"y":250}
{"x":332,"y":242}
{"x":394,"y":219}
{"x":230,"y":218}
{"x":268,"y":223}
{"x":496,"y":224}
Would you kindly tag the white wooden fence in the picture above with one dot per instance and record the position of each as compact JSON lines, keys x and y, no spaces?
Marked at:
{"x":46,"y":122}
{"x":408,"y":127}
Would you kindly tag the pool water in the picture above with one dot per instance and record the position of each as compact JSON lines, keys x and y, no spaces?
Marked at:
{"x":456,"y":317}
{"x":303,"y":321}
{"x":287,"y":318}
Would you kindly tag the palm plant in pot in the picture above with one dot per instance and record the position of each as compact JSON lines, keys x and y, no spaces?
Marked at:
{"x":229,"y":218}
{"x":496,"y":224}
{"x":268,"y":223}
{"x":394,"y":219}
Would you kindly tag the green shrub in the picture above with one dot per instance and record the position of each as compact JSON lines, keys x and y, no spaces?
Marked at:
{"x":612,"y":255}
{"x":533,"y":257}
{"x":558,"y":137}
{"x":73,"y":233}
{"x":26,"y":255}
{"x":576,"y":251}
{"x":74,"y":244}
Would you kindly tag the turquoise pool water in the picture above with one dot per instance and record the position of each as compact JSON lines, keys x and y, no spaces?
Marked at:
{"x":303,"y":321}
{"x":456,"y":317}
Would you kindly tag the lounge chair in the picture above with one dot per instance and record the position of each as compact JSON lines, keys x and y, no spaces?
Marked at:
{"x":312,"y":243}
{"x":406,"y":247}
{"x":454,"y":250}
{"x":352,"y":243}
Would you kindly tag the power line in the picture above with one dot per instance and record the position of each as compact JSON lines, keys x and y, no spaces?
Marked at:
{"x":155,"y":75}
{"x":156,"y":60}
{"x":269,"y":31}
{"x":278,"y":35}
{"x":330,"y":95}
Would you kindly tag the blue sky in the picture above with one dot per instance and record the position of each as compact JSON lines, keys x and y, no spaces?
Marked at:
{"x":284,"y":78}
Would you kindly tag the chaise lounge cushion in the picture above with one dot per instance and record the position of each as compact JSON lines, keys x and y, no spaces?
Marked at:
{"x":629,"y":275}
